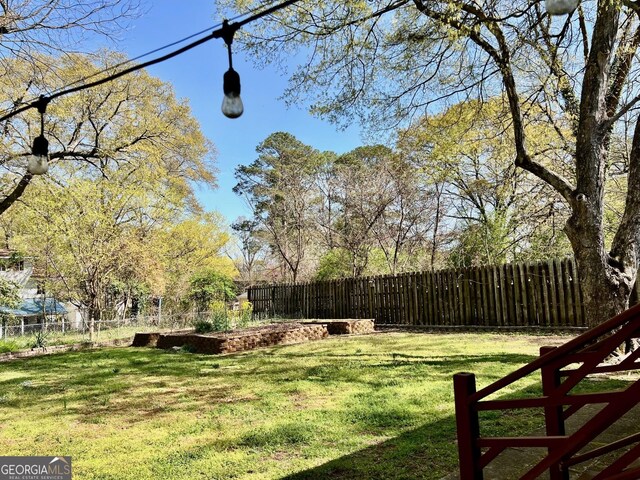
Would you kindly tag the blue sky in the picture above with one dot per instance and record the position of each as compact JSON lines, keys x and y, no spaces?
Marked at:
{"x":197,"y":76}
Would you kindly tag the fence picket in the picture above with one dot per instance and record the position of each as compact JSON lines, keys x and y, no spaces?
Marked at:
{"x":545,"y":294}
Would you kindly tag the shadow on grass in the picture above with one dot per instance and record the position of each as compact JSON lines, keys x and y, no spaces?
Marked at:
{"x":134,"y":385}
{"x":429,"y":451}
{"x":112,"y":371}
{"x":417,"y":453}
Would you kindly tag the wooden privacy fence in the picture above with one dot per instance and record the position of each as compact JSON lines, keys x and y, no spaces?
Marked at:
{"x":543,"y":294}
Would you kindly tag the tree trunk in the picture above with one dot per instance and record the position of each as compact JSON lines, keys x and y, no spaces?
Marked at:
{"x":605,"y":282}
{"x":93,"y":313}
{"x":91,"y":325}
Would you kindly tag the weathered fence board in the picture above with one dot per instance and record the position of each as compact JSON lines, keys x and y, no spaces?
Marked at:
{"x":543,"y":294}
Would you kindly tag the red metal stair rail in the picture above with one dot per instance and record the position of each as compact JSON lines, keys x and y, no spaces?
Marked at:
{"x":562,"y":368}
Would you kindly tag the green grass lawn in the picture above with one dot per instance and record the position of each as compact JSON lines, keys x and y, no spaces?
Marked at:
{"x":378,"y":406}
{"x":25,"y":342}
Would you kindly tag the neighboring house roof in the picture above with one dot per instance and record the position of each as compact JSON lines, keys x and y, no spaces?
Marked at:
{"x":34,"y":306}
{"x":21,"y":277}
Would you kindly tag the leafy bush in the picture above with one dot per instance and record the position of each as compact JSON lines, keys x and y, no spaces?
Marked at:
{"x":8,"y":346}
{"x":210,"y":287}
{"x":220,"y":317}
{"x":203,"y":326}
{"x":245,"y":315}
{"x":41,"y":339}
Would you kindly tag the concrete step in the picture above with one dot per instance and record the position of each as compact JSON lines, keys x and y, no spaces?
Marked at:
{"x":592,"y":471}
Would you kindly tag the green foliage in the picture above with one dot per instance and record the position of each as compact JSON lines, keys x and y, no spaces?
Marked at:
{"x":481,"y":244}
{"x":116,"y":217}
{"x":220,"y":317}
{"x":334,"y":264}
{"x":209,"y":287}
{"x":501,"y":213}
{"x":203,"y":326}
{"x":41,"y":339}
{"x":279,"y":186}
{"x":244,"y":315}
{"x":193,"y":246}
{"x":9,"y":346}
{"x":11,"y":263}
{"x":9,"y":293}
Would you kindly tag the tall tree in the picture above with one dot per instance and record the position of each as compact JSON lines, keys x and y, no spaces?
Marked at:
{"x":9,"y":298}
{"x":195,"y":243}
{"x":362,"y":191}
{"x":278,"y":187}
{"x":501,"y":212}
{"x":250,"y":246}
{"x":31,"y":31}
{"x":125,"y":158}
{"x":411,"y":220}
{"x":93,"y":130}
{"x":577,"y":68}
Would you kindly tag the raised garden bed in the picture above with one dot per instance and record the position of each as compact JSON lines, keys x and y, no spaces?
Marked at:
{"x":150,"y":339}
{"x":345,"y":326}
{"x":255,"y":337}
{"x":248,"y":339}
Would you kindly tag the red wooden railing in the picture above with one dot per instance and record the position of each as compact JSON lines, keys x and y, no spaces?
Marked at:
{"x":562,"y":368}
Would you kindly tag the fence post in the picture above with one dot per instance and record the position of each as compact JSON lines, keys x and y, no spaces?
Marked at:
{"x":553,"y":414}
{"x":468,"y":426}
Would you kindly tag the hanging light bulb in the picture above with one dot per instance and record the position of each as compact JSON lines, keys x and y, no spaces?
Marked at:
{"x":560,"y":7}
{"x":231,"y":103}
{"x":38,"y":161}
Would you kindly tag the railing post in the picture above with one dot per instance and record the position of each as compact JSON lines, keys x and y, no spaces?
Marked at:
{"x":553,"y":414}
{"x":468,"y":426}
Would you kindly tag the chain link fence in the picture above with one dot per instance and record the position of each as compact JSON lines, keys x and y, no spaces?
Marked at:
{"x":19,"y":333}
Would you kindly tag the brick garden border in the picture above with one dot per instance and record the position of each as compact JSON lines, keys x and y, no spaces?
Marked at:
{"x":270,"y":335}
{"x":256,"y":337}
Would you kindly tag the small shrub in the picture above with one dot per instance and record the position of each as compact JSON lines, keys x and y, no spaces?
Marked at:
{"x":245,"y":315}
{"x":41,"y":339}
{"x":220,"y":317}
{"x":203,"y":326}
{"x":9,"y":346}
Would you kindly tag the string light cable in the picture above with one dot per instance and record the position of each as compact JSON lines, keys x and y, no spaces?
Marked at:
{"x":222,"y":32}
{"x":156,"y":50}
{"x":226,"y":32}
{"x":111,"y":68}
